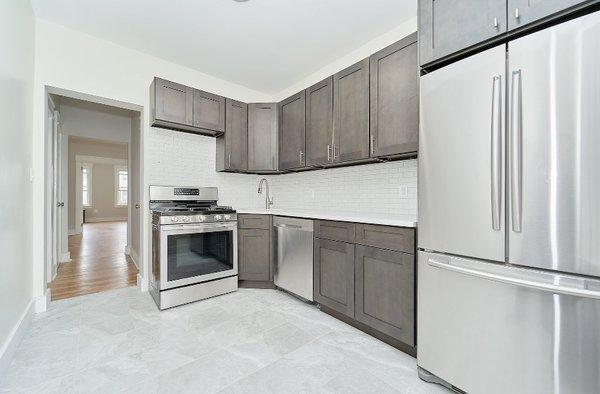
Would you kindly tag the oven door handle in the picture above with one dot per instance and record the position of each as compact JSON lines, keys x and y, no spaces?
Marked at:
{"x":186,"y":228}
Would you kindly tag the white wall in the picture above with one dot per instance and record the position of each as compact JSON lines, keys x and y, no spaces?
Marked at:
{"x":16,"y":84}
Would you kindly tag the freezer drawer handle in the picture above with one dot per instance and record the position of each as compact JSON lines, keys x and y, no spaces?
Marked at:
{"x":516,"y":151}
{"x":496,"y":139}
{"x":579,"y":287}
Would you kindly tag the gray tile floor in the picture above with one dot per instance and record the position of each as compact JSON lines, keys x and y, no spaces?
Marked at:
{"x":249,"y":341}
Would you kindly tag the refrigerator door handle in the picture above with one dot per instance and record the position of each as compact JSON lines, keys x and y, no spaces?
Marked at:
{"x":516,"y":151}
{"x":496,"y":143}
{"x":539,"y":280}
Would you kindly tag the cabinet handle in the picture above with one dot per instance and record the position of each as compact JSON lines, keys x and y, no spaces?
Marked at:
{"x":328,"y":152}
{"x":372,"y":145}
{"x":229,"y":159}
{"x":301,"y":157}
{"x":496,"y":24}
{"x":335,"y":155}
{"x":517,"y":14}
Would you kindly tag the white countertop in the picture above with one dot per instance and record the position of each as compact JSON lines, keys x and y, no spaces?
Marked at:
{"x":357,"y":217}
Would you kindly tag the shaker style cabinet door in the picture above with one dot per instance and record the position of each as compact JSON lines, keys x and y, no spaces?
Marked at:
{"x":395,"y":99}
{"x":319,"y":123}
{"x":254,"y":254}
{"x":262,"y":137}
{"x":236,"y":135}
{"x":522,"y":12}
{"x":449,"y":26}
{"x":173,"y":102}
{"x":209,"y":111}
{"x":384,"y":281}
{"x":292,"y":129}
{"x":334,"y":275}
{"x":351,"y":109}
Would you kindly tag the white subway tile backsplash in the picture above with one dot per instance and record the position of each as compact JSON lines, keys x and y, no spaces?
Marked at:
{"x":187,"y":159}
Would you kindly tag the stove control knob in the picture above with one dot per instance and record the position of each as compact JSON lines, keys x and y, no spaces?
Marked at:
{"x":227,"y":217}
{"x":201,"y":218}
{"x":218,"y":217}
{"x":174,"y":219}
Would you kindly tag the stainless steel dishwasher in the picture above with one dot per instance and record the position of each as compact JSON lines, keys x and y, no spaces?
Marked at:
{"x":294,"y":255}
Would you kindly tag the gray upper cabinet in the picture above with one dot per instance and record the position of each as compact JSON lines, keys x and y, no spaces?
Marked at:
{"x":449,"y":26}
{"x":172,"y":103}
{"x":319,"y":123}
{"x":209,"y":111}
{"x":262,"y":138}
{"x":292,"y":128}
{"x":522,"y":12}
{"x":232,"y":147}
{"x":334,"y":275}
{"x":351,"y":113}
{"x":395,"y":99}
{"x":385,"y":292}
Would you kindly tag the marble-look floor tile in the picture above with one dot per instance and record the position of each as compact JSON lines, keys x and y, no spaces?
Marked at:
{"x":250,"y":341}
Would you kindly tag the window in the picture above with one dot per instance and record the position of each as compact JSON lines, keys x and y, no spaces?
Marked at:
{"x":120,"y":186}
{"x":86,"y":185}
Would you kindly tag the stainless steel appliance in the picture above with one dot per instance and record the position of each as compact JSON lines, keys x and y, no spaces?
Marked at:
{"x":294,"y":255}
{"x":194,"y":245}
{"x":509,"y":216}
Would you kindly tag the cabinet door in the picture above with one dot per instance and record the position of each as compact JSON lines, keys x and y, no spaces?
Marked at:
{"x":236,"y":135}
{"x":522,"y":12}
{"x":292,"y":132}
{"x":262,"y":137}
{"x":448,"y":26}
{"x":334,"y":275}
{"x":173,"y":102}
{"x":209,"y":111}
{"x":319,"y":123}
{"x":395,"y":99}
{"x":351,"y":106}
{"x":254,"y":254}
{"x":385,"y":292}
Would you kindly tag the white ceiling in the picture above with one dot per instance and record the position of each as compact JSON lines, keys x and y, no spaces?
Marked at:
{"x":266,"y":45}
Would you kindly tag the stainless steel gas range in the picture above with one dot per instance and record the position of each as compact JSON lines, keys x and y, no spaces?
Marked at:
{"x":194,"y":245}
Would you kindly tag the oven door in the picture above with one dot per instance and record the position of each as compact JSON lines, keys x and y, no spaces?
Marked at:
{"x":194,"y":253}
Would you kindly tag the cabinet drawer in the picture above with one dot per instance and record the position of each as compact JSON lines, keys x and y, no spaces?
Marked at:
{"x":254,"y":221}
{"x":386,"y":237}
{"x":337,"y":231}
{"x":385,"y":288}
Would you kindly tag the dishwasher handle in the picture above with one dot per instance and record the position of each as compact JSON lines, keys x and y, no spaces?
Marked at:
{"x":296,"y":227}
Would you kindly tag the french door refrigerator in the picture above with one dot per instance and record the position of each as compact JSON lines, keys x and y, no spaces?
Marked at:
{"x":509,"y":216}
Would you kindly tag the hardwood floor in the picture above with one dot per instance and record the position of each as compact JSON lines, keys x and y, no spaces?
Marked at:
{"x":98,"y":262}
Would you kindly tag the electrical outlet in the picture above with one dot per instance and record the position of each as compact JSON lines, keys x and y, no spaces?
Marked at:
{"x":403,"y":191}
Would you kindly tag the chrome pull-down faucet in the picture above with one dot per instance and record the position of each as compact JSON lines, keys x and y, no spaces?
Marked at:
{"x":268,"y":198}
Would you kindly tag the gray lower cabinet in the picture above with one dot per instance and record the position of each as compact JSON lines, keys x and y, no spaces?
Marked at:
{"x":334,"y":275}
{"x":522,"y":12}
{"x":385,"y":293}
{"x":171,"y":103}
{"x":232,"y":146}
{"x":319,"y":123}
{"x":209,"y":111}
{"x":262,"y":138}
{"x":292,"y":128}
{"x":394,"y":99}
{"x":254,"y":254}
{"x":449,"y":26}
{"x":351,"y":113}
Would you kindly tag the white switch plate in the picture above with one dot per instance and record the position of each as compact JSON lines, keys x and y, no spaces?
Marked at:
{"x":403,"y":191}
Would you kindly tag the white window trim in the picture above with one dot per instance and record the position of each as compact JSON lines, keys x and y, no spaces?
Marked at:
{"x":90,"y":168}
{"x":118,"y":168}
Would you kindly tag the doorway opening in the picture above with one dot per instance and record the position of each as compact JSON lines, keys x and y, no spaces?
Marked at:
{"x":93,"y":196}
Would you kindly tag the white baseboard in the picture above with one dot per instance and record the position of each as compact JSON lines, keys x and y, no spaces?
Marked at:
{"x":65,"y":257}
{"x":111,"y":219}
{"x":41,"y":302}
{"x":134,"y":257}
{"x":9,"y":347}
{"x":72,"y":231}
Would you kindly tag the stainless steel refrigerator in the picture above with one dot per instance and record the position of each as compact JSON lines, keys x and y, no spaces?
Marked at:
{"x":509,"y":216}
